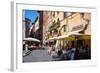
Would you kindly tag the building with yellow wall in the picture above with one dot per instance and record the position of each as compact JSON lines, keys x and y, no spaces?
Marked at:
{"x":61,"y":23}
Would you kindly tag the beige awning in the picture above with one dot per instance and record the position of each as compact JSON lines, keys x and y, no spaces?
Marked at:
{"x":31,"y":39}
{"x":53,"y":38}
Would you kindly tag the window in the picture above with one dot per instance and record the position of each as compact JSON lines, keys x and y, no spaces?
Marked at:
{"x":50,"y":13}
{"x":82,"y":15}
{"x":64,"y":15}
{"x":57,"y":12}
{"x":65,"y":28}
{"x":53,"y":14}
{"x":58,"y":22}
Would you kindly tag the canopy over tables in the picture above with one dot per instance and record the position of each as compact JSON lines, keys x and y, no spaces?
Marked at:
{"x":31,"y":39}
{"x":71,"y":36}
{"x":54,"y":38}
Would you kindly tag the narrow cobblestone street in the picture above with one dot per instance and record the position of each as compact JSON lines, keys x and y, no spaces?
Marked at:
{"x":37,"y":56}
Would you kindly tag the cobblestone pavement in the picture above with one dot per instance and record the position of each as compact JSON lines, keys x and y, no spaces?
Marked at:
{"x":39,"y":55}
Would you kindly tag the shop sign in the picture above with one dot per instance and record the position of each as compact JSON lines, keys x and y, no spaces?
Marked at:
{"x":77,"y":27}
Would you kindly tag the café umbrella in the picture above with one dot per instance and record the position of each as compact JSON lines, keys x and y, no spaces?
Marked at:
{"x":54,"y":38}
{"x":65,"y":37}
{"x":74,"y":34}
{"x":31,"y":39}
{"x":79,"y":35}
